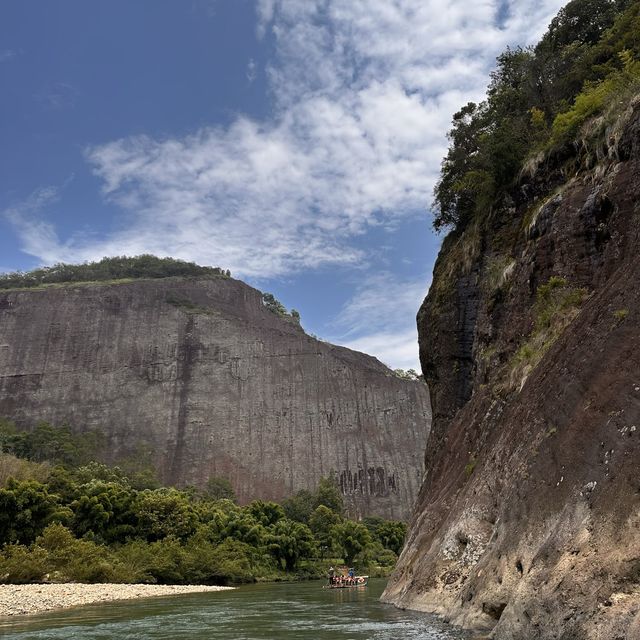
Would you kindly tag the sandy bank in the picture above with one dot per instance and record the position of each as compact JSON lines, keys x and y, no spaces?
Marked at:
{"x":16,"y":599}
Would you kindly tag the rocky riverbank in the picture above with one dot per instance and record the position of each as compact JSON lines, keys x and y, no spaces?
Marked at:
{"x":17,"y":599}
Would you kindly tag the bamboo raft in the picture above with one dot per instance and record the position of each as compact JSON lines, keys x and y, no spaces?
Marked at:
{"x":341,"y":582}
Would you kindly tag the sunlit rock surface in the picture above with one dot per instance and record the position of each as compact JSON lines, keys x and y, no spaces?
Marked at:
{"x":198,"y":378}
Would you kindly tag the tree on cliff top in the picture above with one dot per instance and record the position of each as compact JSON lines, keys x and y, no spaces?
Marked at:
{"x":581,"y":67}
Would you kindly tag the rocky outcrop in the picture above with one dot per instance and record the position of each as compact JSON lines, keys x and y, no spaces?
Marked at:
{"x":198,"y":376}
{"x":527,"y":524}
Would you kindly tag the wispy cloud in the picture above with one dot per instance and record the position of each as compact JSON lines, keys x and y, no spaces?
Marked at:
{"x":7,"y":54}
{"x":252,"y":70}
{"x":363,"y":92}
{"x":38,"y":237}
{"x":380,"y":319}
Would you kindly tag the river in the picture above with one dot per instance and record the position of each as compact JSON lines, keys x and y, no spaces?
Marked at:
{"x":254,"y":612}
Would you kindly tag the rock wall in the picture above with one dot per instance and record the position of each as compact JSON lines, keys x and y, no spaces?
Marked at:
{"x":197,"y":375}
{"x":528,"y":522}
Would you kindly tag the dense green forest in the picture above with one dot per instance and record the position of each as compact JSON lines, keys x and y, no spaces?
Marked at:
{"x":64,"y":516}
{"x":543,"y":103}
{"x":108,"y":269}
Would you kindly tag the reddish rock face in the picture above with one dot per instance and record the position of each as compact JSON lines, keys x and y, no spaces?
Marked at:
{"x":200,"y":377}
{"x":528,"y":521}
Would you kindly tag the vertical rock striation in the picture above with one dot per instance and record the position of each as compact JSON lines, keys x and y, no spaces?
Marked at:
{"x":199,"y":377}
{"x":527,"y":523}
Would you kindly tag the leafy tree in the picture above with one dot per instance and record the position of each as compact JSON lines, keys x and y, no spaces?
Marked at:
{"x":26,"y":508}
{"x":163,"y":513}
{"x":213,"y":521}
{"x":328,"y":494}
{"x":166,"y":535}
{"x":93,"y":471}
{"x":321,"y":522}
{"x":273,"y":304}
{"x":11,"y":440}
{"x":91,"y":515}
{"x":19,"y":565}
{"x":582,"y":21}
{"x":289,"y":541}
{"x":266,"y":513}
{"x":461,"y":171}
{"x":58,"y":445}
{"x":389,"y":533}
{"x":106,"y":510}
{"x":351,"y":538}
{"x":375,"y":553}
{"x":242,"y":526}
{"x":115,"y":532}
{"x":61,"y":445}
{"x":229,"y":562}
{"x":299,"y":506}
{"x":219,"y":488}
{"x":75,"y":560}
{"x":62,"y":482}
{"x":167,"y":561}
{"x":594,"y":98}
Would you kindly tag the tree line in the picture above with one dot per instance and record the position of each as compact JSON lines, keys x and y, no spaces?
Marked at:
{"x":115,"y":268}
{"x":68,"y":517}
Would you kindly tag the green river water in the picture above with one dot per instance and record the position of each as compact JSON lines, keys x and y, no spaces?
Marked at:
{"x":254,"y":612}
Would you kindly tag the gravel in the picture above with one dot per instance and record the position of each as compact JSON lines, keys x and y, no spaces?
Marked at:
{"x":17,"y":599}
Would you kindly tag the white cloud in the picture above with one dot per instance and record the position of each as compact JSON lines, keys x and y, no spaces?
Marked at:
{"x":397,"y":349}
{"x":252,"y":70}
{"x":39,"y":237}
{"x":364,"y":94}
{"x":380,"y":319}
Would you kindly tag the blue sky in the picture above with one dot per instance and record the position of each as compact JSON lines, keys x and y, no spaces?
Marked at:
{"x":295,"y":142}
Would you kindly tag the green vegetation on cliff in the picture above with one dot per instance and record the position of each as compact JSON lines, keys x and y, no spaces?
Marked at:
{"x":539,"y":101}
{"x":108,"y":269}
{"x":275,"y":306}
{"x":557,"y":304}
{"x":81,"y":520}
{"x":122,"y":269}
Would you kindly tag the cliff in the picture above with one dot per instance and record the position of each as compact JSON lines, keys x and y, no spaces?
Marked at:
{"x":196,"y":374}
{"x":527,"y":523}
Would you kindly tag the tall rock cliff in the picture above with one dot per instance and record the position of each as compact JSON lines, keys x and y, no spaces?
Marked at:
{"x":528,"y":522}
{"x":199,"y":374}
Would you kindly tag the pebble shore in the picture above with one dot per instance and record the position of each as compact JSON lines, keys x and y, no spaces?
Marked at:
{"x":18,"y":599}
